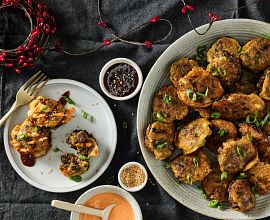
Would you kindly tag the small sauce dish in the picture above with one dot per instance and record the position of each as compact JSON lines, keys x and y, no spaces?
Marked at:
{"x":132,"y":176}
{"x":120,"y":79}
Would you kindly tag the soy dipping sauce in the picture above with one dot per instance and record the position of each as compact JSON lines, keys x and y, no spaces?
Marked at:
{"x":121,"y":79}
{"x":28,"y":159}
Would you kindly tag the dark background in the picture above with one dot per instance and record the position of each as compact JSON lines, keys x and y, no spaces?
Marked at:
{"x":77,"y":30}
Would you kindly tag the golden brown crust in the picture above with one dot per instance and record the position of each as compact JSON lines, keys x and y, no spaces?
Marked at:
{"x":180,"y":68}
{"x":221,"y":131}
{"x":191,"y":168}
{"x":167,"y":103}
{"x":30,"y":139}
{"x":214,"y":187}
{"x":255,"y":54}
{"x":241,"y":197}
{"x":84,"y":143}
{"x":162,"y":135}
{"x":223,"y":44}
{"x":235,"y":155}
{"x":192,"y":136}
{"x":259,"y":176}
{"x":198,"y":81}
{"x":238,"y":106}
{"x":45,"y":112}
{"x":265,"y":92}
{"x":72,"y":165}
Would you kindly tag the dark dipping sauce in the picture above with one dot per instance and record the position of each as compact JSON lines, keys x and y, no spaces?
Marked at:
{"x":121,"y":79}
{"x":28,"y":159}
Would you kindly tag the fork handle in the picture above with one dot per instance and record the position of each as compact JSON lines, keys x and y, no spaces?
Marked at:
{"x":7,"y":115}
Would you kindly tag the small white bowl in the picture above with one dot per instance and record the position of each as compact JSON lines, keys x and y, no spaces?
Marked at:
{"x":113,"y":62}
{"x":136,"y":188}
{"x":108,"y":189}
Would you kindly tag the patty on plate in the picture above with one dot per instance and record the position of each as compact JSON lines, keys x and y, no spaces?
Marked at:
{"x":159,"y":139}
{"x":191,"y":168}
{"x":30,"y":139}
{"x":167,"y":103}
{"x":255,"y":54}
{"x":238,"y":105}
{"x":73,"y":165}
{"x":221,"y":131}
{"x":180,"y":68}
{"x":223,"y":44}
{"x":235,"y":155}
{"x":45,"y":112}
{"x":241,"y":197}
{"x":84,"y":143}
{"x":193,"y":135}
{"x":199,"y":88}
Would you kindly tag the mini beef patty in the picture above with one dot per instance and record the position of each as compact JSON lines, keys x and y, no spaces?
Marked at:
{"x":45,"y":112}
{"x":192,"y":136}
{"x":167,"y":103}
{"x":84,"y":143}
{"x":180,"y":68}
{"x":216,"y":188}
{"x":259,"y":176}
{"x":191,"y":168}
{"x":72,"y":165}
{"x":235,"y":155}
{"x":30,"y":139}
{"x":241,"y":197}
{"x":199,"y":89}
{"x":159,"y":139}
{"x":221,"y":131}
{"x":238,"y":106}
{"x":255,"y":54}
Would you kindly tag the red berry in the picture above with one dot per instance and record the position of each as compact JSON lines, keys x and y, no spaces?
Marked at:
{"x":34,"y":46}
{"x":216,"y":18}
{"x":30,"y":59}
{"x":189,"y":7}
{"x":29,"y":2}
{"x":26,"y":48}
{"x":20,"y":61}
{"x":184,"y":9}
{"x":25,"y":64}
{"x":210,"y":14}
{"x":4,"y":54}
{"x":154,"y":19}
{"x":52,"y":17}
{"x":10,"y":65}
{"x":19,"y":52}
{"x":38,"y":50}
{"x":102,"y":24}
{"x":2,"y":59}
{"x":39,"y":6}
{"x":22,"y":57}
{"x":148,"y":44}
{"x":106,"y":42}
{"x":45,"y":14}
{"x":18,"y":70}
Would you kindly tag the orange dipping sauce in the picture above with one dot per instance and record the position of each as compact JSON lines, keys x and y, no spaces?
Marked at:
{"x":122,"y":210}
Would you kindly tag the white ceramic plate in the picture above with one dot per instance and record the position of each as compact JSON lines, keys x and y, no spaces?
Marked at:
{"x":108,"y":189}
{"x":45,"y":174}
{"x":242,"y":30}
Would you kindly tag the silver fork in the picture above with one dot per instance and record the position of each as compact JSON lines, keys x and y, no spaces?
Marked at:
{"x":26,"y":93}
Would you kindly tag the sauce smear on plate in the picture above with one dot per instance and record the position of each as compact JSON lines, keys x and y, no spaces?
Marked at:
{"x":28,"y":159}
{"x":122,"y":210}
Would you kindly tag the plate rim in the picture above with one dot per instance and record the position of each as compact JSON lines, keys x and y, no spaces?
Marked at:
{"x":97,"y":175}
{"x":141,"y":136}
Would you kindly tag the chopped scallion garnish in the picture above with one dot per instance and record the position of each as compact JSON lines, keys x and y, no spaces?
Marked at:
{"x":224,"y":175}
{"x":69,"y":100}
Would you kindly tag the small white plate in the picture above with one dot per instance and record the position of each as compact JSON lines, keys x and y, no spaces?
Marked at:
{"x":45,"y":174}
{"x":108,"y":189}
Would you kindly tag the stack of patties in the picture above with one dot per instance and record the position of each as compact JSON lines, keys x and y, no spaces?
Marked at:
{"x":33,"y":135}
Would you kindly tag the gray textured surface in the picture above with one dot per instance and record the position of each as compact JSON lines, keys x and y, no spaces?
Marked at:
{"x":77,"y":30}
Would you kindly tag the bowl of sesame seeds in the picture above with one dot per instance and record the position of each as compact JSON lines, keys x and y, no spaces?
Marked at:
{"x":132,"y":176}
{"x":120,"y":79}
